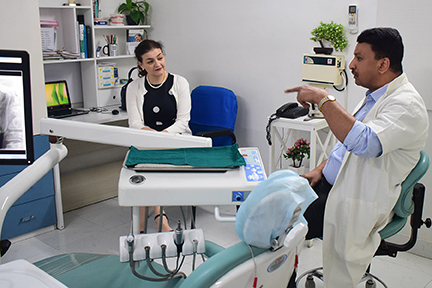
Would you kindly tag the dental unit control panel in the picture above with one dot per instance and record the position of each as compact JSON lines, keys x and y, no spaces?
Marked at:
{"x":186,"y":188}
{"x":253,"y":169}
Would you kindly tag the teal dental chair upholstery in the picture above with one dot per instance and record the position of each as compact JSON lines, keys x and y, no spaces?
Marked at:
{"x":80,"y":270}
{"x":409,"y":204}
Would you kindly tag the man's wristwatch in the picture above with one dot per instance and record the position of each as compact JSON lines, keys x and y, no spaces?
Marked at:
{"x":324,"y":100}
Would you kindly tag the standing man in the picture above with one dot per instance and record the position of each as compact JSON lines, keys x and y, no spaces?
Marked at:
{"x":378,"y":146}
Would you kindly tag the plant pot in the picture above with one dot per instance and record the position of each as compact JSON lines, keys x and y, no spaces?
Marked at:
{"x":130,"y":21}
{"x":299,"y":170}
{"x":323,"y":50}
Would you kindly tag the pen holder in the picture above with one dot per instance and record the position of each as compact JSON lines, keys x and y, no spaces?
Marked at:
{"x":110,"y":49}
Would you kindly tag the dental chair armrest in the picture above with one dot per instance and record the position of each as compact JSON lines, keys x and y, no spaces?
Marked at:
{"x":219,"y":264}
{"x":212,"y":249}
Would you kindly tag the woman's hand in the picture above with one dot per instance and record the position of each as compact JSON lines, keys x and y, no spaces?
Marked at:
{"x":147,"y":128}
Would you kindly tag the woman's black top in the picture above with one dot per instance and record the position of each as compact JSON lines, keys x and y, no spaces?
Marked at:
{"x":160,"y":108}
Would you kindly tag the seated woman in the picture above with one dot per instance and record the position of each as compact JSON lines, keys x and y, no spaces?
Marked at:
{"x":157,"y":101}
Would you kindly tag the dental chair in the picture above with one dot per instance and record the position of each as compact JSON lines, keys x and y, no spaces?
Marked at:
{"x":410,"y":203}
{"x":269,"y":263}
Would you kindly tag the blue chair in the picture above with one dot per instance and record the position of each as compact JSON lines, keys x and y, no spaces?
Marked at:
{"x":410,"y":203}
{"x":213,"y":114}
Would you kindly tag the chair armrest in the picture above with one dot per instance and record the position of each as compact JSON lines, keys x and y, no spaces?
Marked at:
{"x":218,"y":133}
{"x":219,"y":264}
{"x":212,"y":249}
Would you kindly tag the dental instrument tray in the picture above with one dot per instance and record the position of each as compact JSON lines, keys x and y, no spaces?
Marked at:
{"x":210,"y":159}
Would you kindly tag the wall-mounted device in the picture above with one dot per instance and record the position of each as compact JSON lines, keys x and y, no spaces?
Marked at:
{"x":323,"y":69}
{"x":353,"y":19}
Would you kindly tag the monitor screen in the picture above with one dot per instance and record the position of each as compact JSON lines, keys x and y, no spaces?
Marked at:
{"x":57,"y":94}
{"x":16,"y":130}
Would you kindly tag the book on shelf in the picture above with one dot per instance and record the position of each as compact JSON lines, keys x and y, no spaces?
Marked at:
{"x":59,"y":54}
{"x":82,"y":40}
{"x":48,"y":54}
{"x":88,"y":42}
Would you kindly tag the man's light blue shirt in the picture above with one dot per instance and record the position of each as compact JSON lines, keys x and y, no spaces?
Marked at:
{"x":361,"y":140}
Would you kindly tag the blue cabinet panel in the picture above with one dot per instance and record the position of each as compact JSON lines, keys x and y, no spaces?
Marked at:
{"x":36,"y":208}
{"x":28,"y":217}
{"x":43,"y":188}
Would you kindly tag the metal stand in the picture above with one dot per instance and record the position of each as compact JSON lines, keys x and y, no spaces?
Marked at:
{"x":282,"y":131}
{"x":369,"y":279}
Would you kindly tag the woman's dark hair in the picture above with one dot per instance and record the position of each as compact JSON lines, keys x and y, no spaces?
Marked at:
{"x":386,"y":43}
{"x":143,"y":47}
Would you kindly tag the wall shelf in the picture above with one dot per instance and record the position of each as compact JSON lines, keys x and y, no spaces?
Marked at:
{"x":82,"y":74}
{"x":107,"y":27}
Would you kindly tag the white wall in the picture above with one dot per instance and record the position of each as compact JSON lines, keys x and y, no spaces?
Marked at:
{"x":255,"y":48}
{"x":24,"y":34}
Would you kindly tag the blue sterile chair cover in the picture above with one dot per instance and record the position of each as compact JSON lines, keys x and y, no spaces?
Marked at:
{"x":269,"y":208}
{"x":214,"y":109}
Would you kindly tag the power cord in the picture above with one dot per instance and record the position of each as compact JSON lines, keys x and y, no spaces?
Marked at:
{"x":268,"y":127}
{"x":343,"y":73}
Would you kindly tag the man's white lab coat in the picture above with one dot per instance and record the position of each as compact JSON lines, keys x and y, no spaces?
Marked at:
{"x":366,"y":189}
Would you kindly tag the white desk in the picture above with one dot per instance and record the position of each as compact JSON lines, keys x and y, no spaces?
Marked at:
{"x":283,"y":137}
{"x":100,"y":117}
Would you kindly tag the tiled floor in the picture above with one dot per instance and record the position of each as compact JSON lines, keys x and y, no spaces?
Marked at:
{"x":97,"y":228}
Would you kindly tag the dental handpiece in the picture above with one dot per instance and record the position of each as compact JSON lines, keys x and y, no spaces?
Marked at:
{"x":178,"y":240}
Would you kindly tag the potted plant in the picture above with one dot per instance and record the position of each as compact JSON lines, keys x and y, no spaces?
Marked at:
{"x":331,"y":32}
{"x":297,"y":153}
{"x":135,"y":11}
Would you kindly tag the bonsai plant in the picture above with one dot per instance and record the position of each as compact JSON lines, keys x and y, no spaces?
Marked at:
{"x":136,"y":10}
{"x":298,"y":152}
{"x":332,"y":32}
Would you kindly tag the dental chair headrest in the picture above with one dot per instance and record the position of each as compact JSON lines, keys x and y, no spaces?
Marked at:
{"x":269,"y":208}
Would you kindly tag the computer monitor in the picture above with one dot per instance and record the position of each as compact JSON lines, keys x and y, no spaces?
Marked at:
{"x":16,"y":130}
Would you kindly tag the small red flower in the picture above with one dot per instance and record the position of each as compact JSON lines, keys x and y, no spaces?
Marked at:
{"x":298,"y":152}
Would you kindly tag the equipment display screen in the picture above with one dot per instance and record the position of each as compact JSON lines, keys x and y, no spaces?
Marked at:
{"x":16,"y":132}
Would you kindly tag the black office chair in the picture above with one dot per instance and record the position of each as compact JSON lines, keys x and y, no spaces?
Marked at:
{"x":410,"y":203}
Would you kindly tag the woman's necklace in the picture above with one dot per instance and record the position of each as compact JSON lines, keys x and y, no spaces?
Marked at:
{"x":163,"y":81}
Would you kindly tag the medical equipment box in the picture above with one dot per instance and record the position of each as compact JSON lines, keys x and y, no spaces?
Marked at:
{"x":106,"y":77}
{"x":323,"y":69}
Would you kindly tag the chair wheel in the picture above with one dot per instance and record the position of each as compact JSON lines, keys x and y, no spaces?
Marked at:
{"x":310,"y":283}
{"x":370,"y":283}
